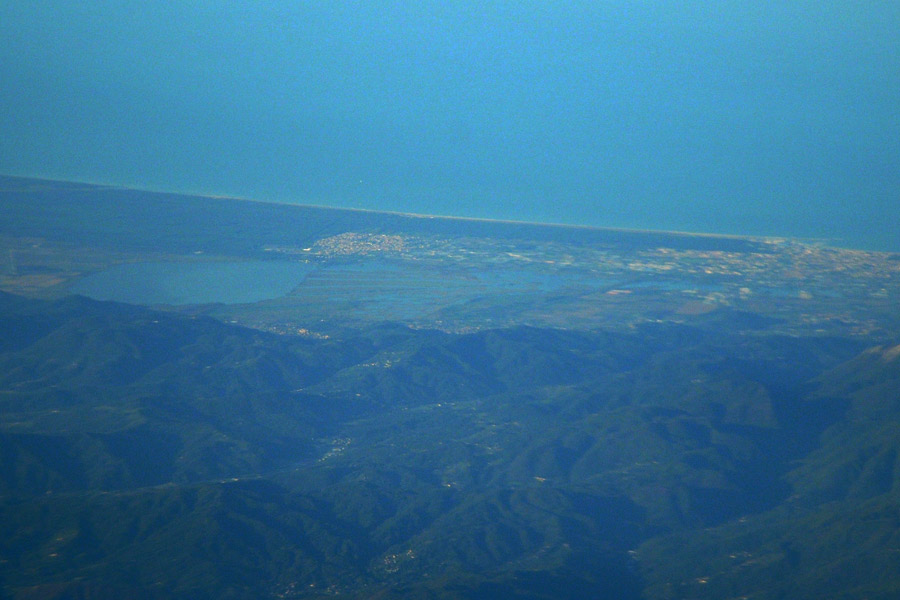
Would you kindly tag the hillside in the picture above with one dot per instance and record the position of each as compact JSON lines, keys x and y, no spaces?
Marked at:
{"x":157,"y":455}
{"x":304,"y":402}
{"x":836,"y":536}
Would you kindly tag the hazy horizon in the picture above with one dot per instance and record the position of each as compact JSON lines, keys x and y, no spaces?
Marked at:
{"x":764,"y":120}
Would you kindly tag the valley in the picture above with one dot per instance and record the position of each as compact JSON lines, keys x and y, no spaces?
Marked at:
{"x":253,"y":400}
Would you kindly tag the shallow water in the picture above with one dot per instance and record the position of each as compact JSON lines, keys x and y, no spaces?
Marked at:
{"x":194,"y":283}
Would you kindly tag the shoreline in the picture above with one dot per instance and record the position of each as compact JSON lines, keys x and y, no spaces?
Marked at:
{"x":774,"y":239}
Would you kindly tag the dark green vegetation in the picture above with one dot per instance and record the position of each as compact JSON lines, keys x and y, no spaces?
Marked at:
{"x":695,"y":453}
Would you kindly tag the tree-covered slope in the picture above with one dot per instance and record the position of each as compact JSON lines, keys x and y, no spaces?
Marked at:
{"x":838,"y":534}
{"x":149,"y":454}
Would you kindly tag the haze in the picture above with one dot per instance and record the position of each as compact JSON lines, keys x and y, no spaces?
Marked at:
{"x":763,"y":118}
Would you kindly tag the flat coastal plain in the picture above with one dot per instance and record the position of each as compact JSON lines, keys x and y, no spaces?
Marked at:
{"x":289,"y":268}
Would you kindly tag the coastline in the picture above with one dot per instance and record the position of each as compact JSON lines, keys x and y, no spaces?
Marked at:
{"x":759,"y":238}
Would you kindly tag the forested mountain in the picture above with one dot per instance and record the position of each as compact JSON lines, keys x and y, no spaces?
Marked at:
{"x":152,"y":454}
{"x":838,"y":534}
{"x":431,"y":408}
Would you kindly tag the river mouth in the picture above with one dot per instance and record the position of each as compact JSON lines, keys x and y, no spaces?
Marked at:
{"x":180,"y":283}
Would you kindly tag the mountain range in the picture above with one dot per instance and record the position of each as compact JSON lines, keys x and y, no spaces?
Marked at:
{"x":152,"y":454}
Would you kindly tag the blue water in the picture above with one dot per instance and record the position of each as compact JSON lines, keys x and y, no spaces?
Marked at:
{"x":763,"y":118}
{"x":194,"y":283}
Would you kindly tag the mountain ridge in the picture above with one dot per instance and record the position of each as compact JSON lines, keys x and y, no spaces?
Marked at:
{"x":358,"y":464}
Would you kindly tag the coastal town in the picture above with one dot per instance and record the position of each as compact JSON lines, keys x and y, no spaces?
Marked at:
{"x":804,"y":287}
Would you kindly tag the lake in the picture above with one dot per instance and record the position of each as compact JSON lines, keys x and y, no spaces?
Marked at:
{"x":194,"y":282}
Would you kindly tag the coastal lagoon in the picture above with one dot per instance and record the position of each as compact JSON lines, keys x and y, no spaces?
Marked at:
{"x":194,"y":282}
